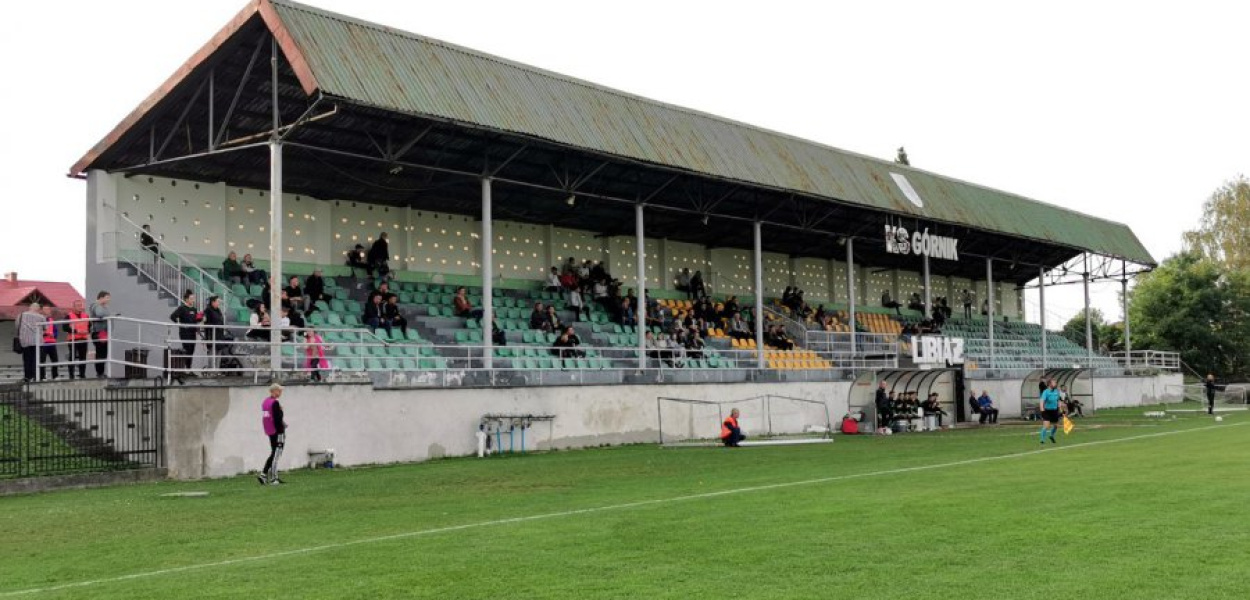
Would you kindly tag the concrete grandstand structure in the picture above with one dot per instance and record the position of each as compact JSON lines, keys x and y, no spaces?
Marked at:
{"x":295,"y":134}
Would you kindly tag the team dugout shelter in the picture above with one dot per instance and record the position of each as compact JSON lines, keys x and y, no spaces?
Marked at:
{"x":295,"y":133}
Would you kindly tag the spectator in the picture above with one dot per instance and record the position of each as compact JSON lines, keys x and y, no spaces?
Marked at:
{"x":375,"y":314}
{"x":697,"y":288}
{"x":293,"y":317}
{"x":915,"y":303}
{"x":393,"y":316}
{"x":284,"y":323}
{"x":30,"y":326}
{"x":231,"y":270}
{"x":314,"y":354}
{"x":315,"y":291}
{"x":627,"y":313}
{"x":966,"y":298}
{"x":730,"y":308}
{"x":738,"y":328}
{"x":694,"y":345}
{"x":294,"y":293}
{"x":578,"y":304}
{"x":384,"y":290}
{"x":357,"y":259}
{"x":599,"y":272}
{"x":258,"y":323}
{"x":778,"y":339}
{"x":787,"y":296}
{"x":551,"y":322}
{"x":187,"y":318}
{"x":888,"y":302}
{"x":99,"y":312}
{"x":48,"y":351}
{"x":989,"y":414}
{"x":148,"y":242}
{"x":380,"y":255}
{"x":819,"y":317}
{"x":985,"y":307}
{"x":214,"y":331}
{"x":538,"y":316}
{"x":566,"y":345}
{"x":463,"y":307}
{"x":497,"y":335}
{"x":583,"y":275}
{"x":77,"y":333}
{"x":553,"y":280}
{"x":683,"y":283}
{"x":254,"y":275}
{"x":933,"y":406}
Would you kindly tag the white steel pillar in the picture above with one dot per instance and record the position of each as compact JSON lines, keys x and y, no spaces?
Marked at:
{"x":1041,"y":294}
{"x":640,"y":311}
{"x":275,"y":255}
{"x":759,"y":294}
{"x":1089,"y":322}
{"x":1128,"y":340}
{"x":488,"y":271}
{"x":928,"y":296}
{"x":850,"y":291}
{"x":989,"y":302}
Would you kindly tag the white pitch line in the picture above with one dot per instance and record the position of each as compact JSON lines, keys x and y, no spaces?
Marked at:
{"x":583,"y":511}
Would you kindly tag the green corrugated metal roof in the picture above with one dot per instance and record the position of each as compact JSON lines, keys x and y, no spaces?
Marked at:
{"x":399,"y":71}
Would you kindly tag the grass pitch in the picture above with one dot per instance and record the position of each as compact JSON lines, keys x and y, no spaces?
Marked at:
{"x":1126,"y":507}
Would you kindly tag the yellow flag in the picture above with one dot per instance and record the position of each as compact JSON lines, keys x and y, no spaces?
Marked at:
{"x":1068,"y":425}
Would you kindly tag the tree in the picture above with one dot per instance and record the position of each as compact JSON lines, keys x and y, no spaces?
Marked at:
{"x":1198,"y":307}
{"x":1074,"y":329}
{"x":1223,"y":234}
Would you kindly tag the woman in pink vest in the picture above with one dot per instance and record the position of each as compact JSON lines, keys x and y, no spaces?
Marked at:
{"x":315,"y":351}
{"x":274,"y":422}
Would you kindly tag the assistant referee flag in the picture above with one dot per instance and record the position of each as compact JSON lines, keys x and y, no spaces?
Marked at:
{"x":1068,"y":425}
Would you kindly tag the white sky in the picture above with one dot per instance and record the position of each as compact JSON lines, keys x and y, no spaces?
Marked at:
{"x":1134,"y":113}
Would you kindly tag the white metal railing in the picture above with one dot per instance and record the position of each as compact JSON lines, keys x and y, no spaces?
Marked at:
{"x":164,"y":266}
{"x":1148,"y":359}
{"x":794,"y":329}
{"x":146,"y":347}
{"x":865,"y":344}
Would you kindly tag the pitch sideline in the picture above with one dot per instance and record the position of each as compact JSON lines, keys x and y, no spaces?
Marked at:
{"x":583,"y":511}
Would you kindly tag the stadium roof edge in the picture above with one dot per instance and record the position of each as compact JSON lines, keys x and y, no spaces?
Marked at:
{"x":392,"y":70}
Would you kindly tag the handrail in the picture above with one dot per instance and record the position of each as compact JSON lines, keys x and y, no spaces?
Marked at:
{"x":167,"y":274}
{"x":796,"y":330}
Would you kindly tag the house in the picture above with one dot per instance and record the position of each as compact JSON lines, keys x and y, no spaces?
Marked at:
{"x":16,"y":296}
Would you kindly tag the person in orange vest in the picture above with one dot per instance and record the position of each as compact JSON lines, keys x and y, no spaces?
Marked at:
{"x":78,"y":332}
{"x":730,"y":432}
{"x":47,"y":352}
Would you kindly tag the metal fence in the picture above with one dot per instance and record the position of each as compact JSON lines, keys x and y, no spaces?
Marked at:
{"x":63,"y":431}
{"x":1149,"y":359}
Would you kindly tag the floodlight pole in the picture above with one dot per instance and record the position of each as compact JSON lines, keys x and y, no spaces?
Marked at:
{"x":758,"y":257}
{"x":1089,"y":322}
{"x":275,"y":220}
{"x":850,"y":292}
{"x":1041,"y":290}
{"x":488,"y":270}
{"x":989,"y":303}
{"x":640,"y":311}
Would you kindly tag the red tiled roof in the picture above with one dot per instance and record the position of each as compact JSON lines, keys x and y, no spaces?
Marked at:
{"x":14,"y":295}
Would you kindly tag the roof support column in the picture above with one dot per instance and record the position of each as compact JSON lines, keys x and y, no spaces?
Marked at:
{"x":928,"y":295}
{"x":1128,"y":340}
{"x":758,"y":263}
{"x":488,"y":270}
{"x":1041,"y":294}
{"x":640,"y":311}
{"x":1089,"y":322}
{"x":275,"y":255}
{"x":850,"y":292}
{"x":989,"y":303}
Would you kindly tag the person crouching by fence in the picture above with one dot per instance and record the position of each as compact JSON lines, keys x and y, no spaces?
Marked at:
{"x":730,"y":432}
{"x":315,"y":354}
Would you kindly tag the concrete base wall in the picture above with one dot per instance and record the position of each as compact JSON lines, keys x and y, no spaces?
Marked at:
{"x":216,"y":432}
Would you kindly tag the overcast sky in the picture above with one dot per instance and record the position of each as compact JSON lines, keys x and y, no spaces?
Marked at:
{"x":1132,"y":113}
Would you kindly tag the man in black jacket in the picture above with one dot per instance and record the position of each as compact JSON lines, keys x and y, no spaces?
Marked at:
{"x":1211,"y":388}
{"x":379,"y":254}
{"x":315,"y":291}
{"x":884,"y":406}
{"x":393,"y":316}
{"x":214,"y":331}
{"x":187,"y":318}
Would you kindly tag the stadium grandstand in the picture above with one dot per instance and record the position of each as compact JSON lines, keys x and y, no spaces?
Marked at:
{"x":686,"y":249}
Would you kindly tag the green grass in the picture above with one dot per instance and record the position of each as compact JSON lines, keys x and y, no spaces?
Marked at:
{"x":1159,"y":517}
{"x":28,"y":449}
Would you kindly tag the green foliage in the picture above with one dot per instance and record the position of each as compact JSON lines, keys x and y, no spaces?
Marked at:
{"x":1074,"y":329}
{"x":1003,"y":522}
{"x":1223,"y":235}
{"x":1198,"y":307}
